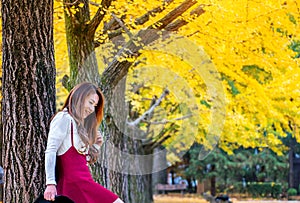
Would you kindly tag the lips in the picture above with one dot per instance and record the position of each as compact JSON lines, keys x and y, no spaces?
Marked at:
{"x":87,"y":113}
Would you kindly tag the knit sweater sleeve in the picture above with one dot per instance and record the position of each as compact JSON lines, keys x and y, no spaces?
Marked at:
{"x":59,"y":129}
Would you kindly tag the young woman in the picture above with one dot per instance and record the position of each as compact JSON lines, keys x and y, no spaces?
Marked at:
{"x":74,"y":141}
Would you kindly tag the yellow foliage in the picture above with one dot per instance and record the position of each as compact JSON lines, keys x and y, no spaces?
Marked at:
{"x":236,"y":36}
{"x":61,"y":54}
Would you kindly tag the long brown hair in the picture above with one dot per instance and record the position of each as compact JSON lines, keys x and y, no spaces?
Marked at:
{"x":87,"y":127}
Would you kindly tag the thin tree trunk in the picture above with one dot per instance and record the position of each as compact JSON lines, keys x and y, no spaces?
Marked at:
{"x":291,"y":167}
{"x":213,"y":182}
{"x":28,"y":95}
{"x":160,"y":176}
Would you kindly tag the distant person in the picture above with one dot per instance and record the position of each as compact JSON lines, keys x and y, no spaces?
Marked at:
{"x":73,"y":142}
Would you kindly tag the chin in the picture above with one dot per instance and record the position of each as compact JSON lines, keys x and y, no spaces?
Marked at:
{"x":86,"y":116}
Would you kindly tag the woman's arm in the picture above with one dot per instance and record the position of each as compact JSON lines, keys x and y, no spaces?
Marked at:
{"x":59,"y":129}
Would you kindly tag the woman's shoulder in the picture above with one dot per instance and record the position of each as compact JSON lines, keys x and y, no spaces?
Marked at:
{"x":62,"y":116}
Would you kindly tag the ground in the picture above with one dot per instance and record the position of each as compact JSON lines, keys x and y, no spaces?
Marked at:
{"x":185,"y":199}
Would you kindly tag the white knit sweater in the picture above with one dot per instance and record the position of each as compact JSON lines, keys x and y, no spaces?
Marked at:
{"x":59,"y":141}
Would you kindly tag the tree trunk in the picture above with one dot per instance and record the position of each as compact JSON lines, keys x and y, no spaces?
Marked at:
{"x":28,"y":89}
{"x":291,"y":167}
{"x":80,"y":41}
{"x":160,"y":176}
{"x":80,"y":32}
{"x":213,"y":185}
{"x":213,"y":181}
{"x":83,"y":67}
{"x":117,"y":166}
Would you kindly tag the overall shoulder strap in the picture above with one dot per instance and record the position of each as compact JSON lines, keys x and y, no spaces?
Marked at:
{"x":72,"y":133}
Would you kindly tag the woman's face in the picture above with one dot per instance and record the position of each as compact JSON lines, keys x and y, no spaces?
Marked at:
{"x":90,"y":103}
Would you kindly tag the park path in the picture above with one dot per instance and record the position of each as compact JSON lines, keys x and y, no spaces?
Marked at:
{"x":266,"y":201}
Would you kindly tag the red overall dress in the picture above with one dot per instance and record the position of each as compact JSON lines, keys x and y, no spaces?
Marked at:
{"x":75,"y":180}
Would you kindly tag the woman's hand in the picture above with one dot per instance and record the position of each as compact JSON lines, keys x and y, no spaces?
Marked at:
{"x":99,"y":140}
{"x":50,"y":193}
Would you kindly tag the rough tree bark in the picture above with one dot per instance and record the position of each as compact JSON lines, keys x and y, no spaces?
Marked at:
{"x":28,"y":89}
{"x":80,"y":41}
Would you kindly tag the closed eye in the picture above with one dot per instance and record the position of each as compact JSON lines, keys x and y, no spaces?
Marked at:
{"x":93,"y":103}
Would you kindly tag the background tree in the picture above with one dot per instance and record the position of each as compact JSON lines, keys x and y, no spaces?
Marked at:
{"x":81,"y":35}
{"x":250,"y":82}
{"x":293,"y":149}
{"x":28,"y":91}
{"x":233,"y":172}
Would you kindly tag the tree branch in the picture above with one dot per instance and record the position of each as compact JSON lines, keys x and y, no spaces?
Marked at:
{"x":161,"y":138}
{"x":116,"y":27}
{"x":150,"y":111}
{"x":181,"y":22}
{"x":167,"y":121}
{"x":118,"y":67}
{"x":144,"y":18}
{"x":94,"y":3}
{"x":151,"y":142}
{"x":158,"y":143}
{"x":115,"y":33}
{"x":122,"y":25}
{"x":139,"y":21}
{"x":71,"y":4}
{"x":173,"y":14}
{"x":94,"y":23}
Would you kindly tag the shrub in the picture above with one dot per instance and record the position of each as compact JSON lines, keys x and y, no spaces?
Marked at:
{"x":264,"y":189}
{"x":257,"y":189}
{"x":292,"y":192}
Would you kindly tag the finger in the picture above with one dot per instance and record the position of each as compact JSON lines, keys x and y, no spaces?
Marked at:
{"x":47,"y":196}
{"x":53,"y":197}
